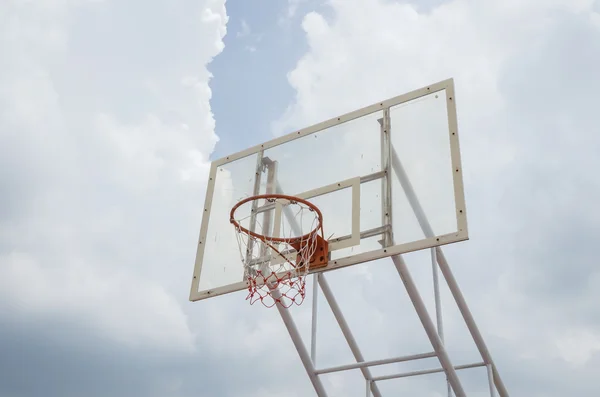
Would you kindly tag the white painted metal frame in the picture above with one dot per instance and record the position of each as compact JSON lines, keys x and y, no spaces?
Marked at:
{"x":430,"y":241}
{"x":391,"y":161}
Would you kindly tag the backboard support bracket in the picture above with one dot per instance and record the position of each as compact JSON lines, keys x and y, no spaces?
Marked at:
{"x":257,"y":179}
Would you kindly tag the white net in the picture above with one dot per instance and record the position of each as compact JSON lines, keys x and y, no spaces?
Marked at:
{"x":278,"y":239}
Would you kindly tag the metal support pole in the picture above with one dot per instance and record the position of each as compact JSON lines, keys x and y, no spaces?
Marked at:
{"x":437,"y":344}
{"x":297,"y":340}
{"x":313,"y":333}
{"x":386,"y":181}
{"x":255,"y":191}
{"x":288,"y":213}
{"x":268,"y":215}
{"x":436,"y":294}
{"x":490,"y":373}
{"x":438,"y":305}
{"x":337,"y":312}
{"x":447,"y":273}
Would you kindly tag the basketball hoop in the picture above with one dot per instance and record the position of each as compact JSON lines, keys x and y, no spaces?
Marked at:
{"x":277,"y":259}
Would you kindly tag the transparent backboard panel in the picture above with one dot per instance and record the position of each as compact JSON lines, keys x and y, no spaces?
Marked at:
{"x":387,"y":179}
{"x":334,"y":154}
{"x":420,"y":138}
{"x":232,"y":182}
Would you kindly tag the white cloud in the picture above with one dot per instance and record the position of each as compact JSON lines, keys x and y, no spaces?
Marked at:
{"x":101,"y":218}
{"x":245,"y":30}
{"x":247,"y":33}
{"x":293,"y":7}
{"x":291,"y":11}
{"x":578,"y":346}
{"x":94,"y":191}
{"x":117,"y":305}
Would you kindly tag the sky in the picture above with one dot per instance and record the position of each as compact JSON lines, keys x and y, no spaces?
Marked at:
{"x":110,"y":113}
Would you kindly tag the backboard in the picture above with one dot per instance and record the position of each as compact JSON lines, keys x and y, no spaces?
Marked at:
{"x":369,"y":172}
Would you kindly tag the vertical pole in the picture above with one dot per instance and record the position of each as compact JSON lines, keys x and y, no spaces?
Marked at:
{"x":386,"y":181}
{"x":438,"y":305}
{"x":288,"y":213}
{"x":252,"y":227}
{"x":368,"y":392}
{"x":313,"y":333}
{"x":490,"y":373}
{"x":437,"y":344}
{"x":271,"y":168}
{"x":436,"y":293}
{"x":268,"y":215}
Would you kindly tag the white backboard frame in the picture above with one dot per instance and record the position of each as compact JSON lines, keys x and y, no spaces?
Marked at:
{"x":429,"y":241}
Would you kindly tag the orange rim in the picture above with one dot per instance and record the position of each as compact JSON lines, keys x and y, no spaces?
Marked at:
{"x":277,"y":239}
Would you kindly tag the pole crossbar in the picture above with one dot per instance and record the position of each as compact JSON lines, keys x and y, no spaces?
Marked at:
{"x":426,"y":372}
{"x":374,"y":363}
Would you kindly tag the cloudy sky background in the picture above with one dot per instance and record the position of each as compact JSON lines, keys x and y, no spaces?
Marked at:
{"x":110,"y":113}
